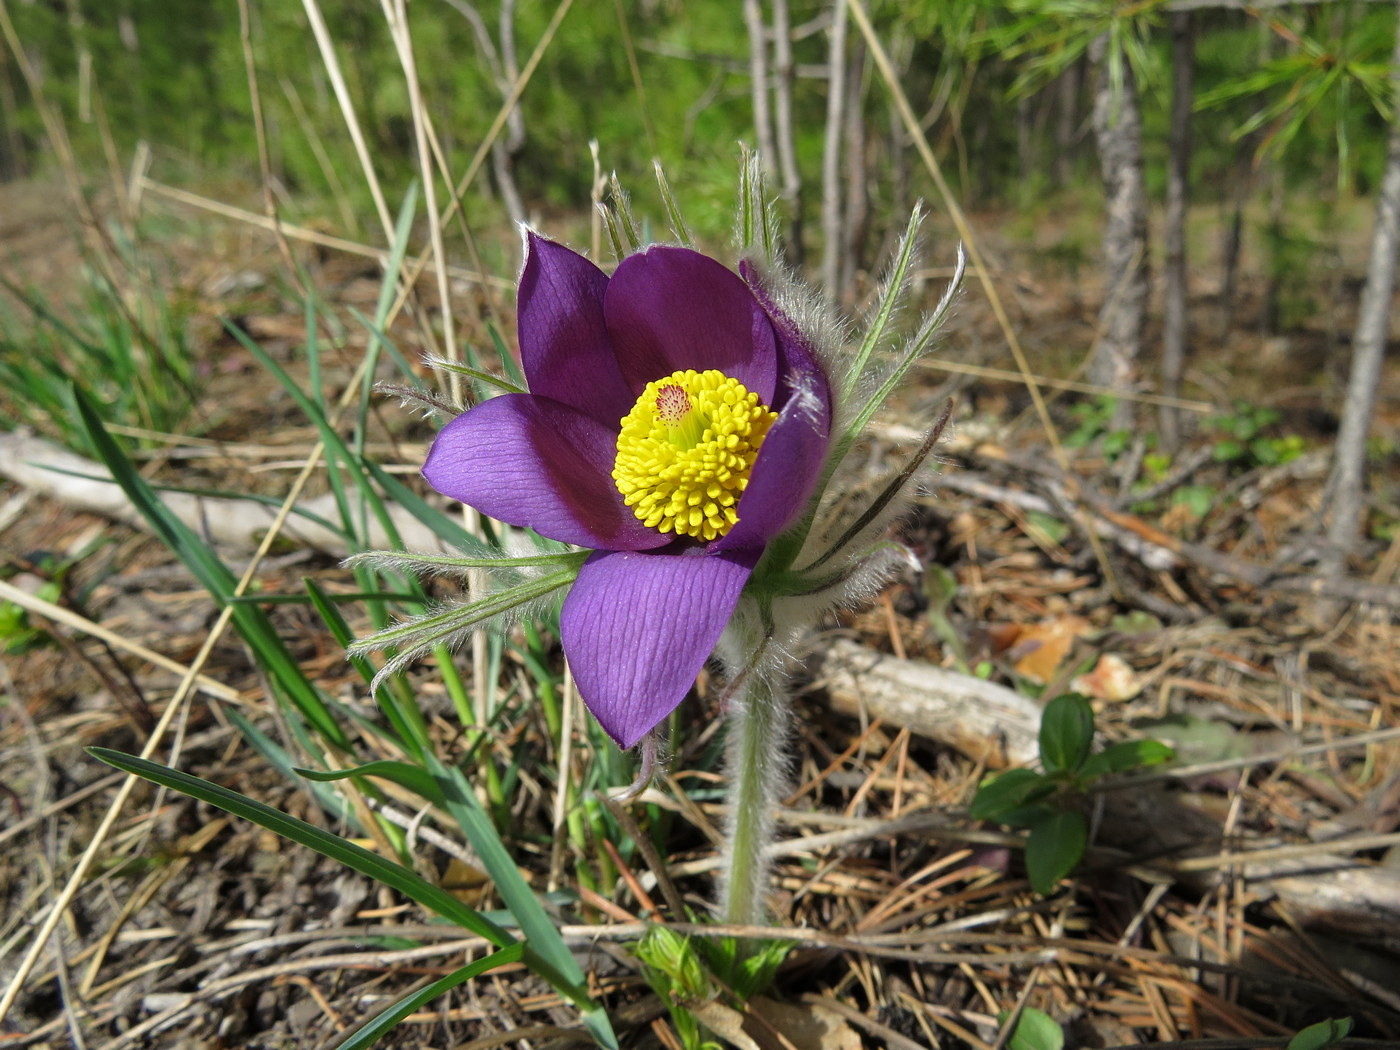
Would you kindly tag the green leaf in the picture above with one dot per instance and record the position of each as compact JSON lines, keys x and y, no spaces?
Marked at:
{"x":552,"y":956}
{"x":366,"y":1034}
{"x":1227,"y":451}
{"x":759,"y":966}
{"x":1055,"y":846}
{"x":673,"y":211}
{"x":1052,"y":526}
{"x":1028,"y":816}
{"x":332,"y":802}
{"x":1009,"y":791}
{"x":396,"y":876}
{"x":415,"y":778}
{"x":414,"y":637}
{"x":252,"y":623}
{"x":1035,"y":1030}
{"x":1198,"y":499}
{"x":676,"y":960}
{"x":895,"y":288}
{"x":1066,"y":733}
{"x":1130,"y":754}
{"x":1321,"y":1035}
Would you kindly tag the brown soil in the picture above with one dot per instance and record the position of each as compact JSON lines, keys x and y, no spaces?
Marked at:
{"x":194,"y":929}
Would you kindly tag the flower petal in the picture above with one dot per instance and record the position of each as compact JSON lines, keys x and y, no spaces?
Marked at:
{"x":670,"y":308}
{"x":638,"y":627}
{"x":791,"y":457}
{"x":533,"y":461}
{"x":564,"y":345}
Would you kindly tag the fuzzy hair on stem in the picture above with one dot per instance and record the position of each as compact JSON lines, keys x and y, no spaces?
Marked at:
{"x":757,"y":729}
{"x":461,"y":568}
{"x":451,"y":624}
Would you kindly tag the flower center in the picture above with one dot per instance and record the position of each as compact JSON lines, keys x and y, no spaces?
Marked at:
{"x":686,"y":449}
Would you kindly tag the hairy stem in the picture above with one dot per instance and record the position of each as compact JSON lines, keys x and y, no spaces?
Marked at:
{"x":756,"y":756}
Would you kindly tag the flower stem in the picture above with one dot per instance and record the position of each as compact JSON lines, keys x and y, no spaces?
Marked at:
{"x":756,"y":753}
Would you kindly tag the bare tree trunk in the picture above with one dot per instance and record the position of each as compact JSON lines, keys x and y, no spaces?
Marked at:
{"x":1347,"y":482}
{"x":504,"y":152}
{"x":505,"y":69}
{"x":857,"y":203}
{"x":1234,"y":239}
{"x":787,"y":146}
{"x":1279,"y":262}
{"x":758,"y":83}
{"x":1118,"y":132}
{"x":1178,"y":190}
{"x":832,"y":212}
{"x":1066,"y":120}
{"x":13,"y":162}
{"x":1025,"y":162}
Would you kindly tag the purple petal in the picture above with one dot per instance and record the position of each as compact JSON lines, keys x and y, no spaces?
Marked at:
{"x":790,"y":459}
{"x":638,"y":627}
{"x":564,"y":345}
{"x":534,"y":462}
{"x":795,"y":355}
{"x":784,"y":474}
{"x":671,"y":308}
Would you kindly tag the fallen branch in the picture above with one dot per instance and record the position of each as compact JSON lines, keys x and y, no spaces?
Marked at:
{"x":238,"y":524}
{"x":1145,"y":824}
{"x":979,"y":718}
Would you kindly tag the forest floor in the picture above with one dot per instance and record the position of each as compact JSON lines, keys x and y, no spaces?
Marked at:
{"x":1253,"y":892}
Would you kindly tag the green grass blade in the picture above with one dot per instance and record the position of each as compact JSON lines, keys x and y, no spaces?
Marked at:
{"x":442,"y":526}
{"x":252,"y":623}
{"x":410,"y":376}
{"x":403,"y":714}
{"x":367,"y":1034}
{"x":387,"y":872}
{"x":336,"y":448}
{"x":203,"y":493}
{"x":388,"y":292}
{"x":508,"y":365}
{"x":535,"y":924}
{"x":895,"y":288}
{"x":277,"y":756}
{"x":415,"y":778}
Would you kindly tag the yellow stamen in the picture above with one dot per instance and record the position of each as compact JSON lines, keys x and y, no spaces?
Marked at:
{"x":686,"y":449}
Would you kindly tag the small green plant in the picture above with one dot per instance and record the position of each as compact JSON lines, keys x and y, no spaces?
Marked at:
{"x":128,"y":344}
{"x":1094,"y":422}
{"x":940,"y":588}
{"x":1244,"y":442}
{"x":1044,"y":801}
{"x":19,"y":634}
{"x":1321,"y":1035}
{"x":689,"y":975}
{"x":1035,"y":1030}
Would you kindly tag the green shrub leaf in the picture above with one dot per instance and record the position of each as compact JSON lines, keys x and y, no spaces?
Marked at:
{"x":1008,"y":791}
{"x":1055,"y":846}
{"x":1035,"y":1030}
{"x":1321,"y":1035}
{"x":1066,"y":733}
{"x":1129,"y":755}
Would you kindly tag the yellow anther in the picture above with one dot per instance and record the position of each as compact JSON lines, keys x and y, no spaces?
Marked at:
{"x":685,"y":451}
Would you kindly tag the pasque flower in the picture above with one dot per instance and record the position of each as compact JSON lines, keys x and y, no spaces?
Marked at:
{"x":682,"y":425}
{"x":676,"y":422}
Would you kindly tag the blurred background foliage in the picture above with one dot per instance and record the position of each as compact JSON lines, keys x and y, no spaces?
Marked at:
{"x":1002,"y":88}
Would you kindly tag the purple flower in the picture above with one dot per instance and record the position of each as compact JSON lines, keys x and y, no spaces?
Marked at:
{"x":676,"y":422}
